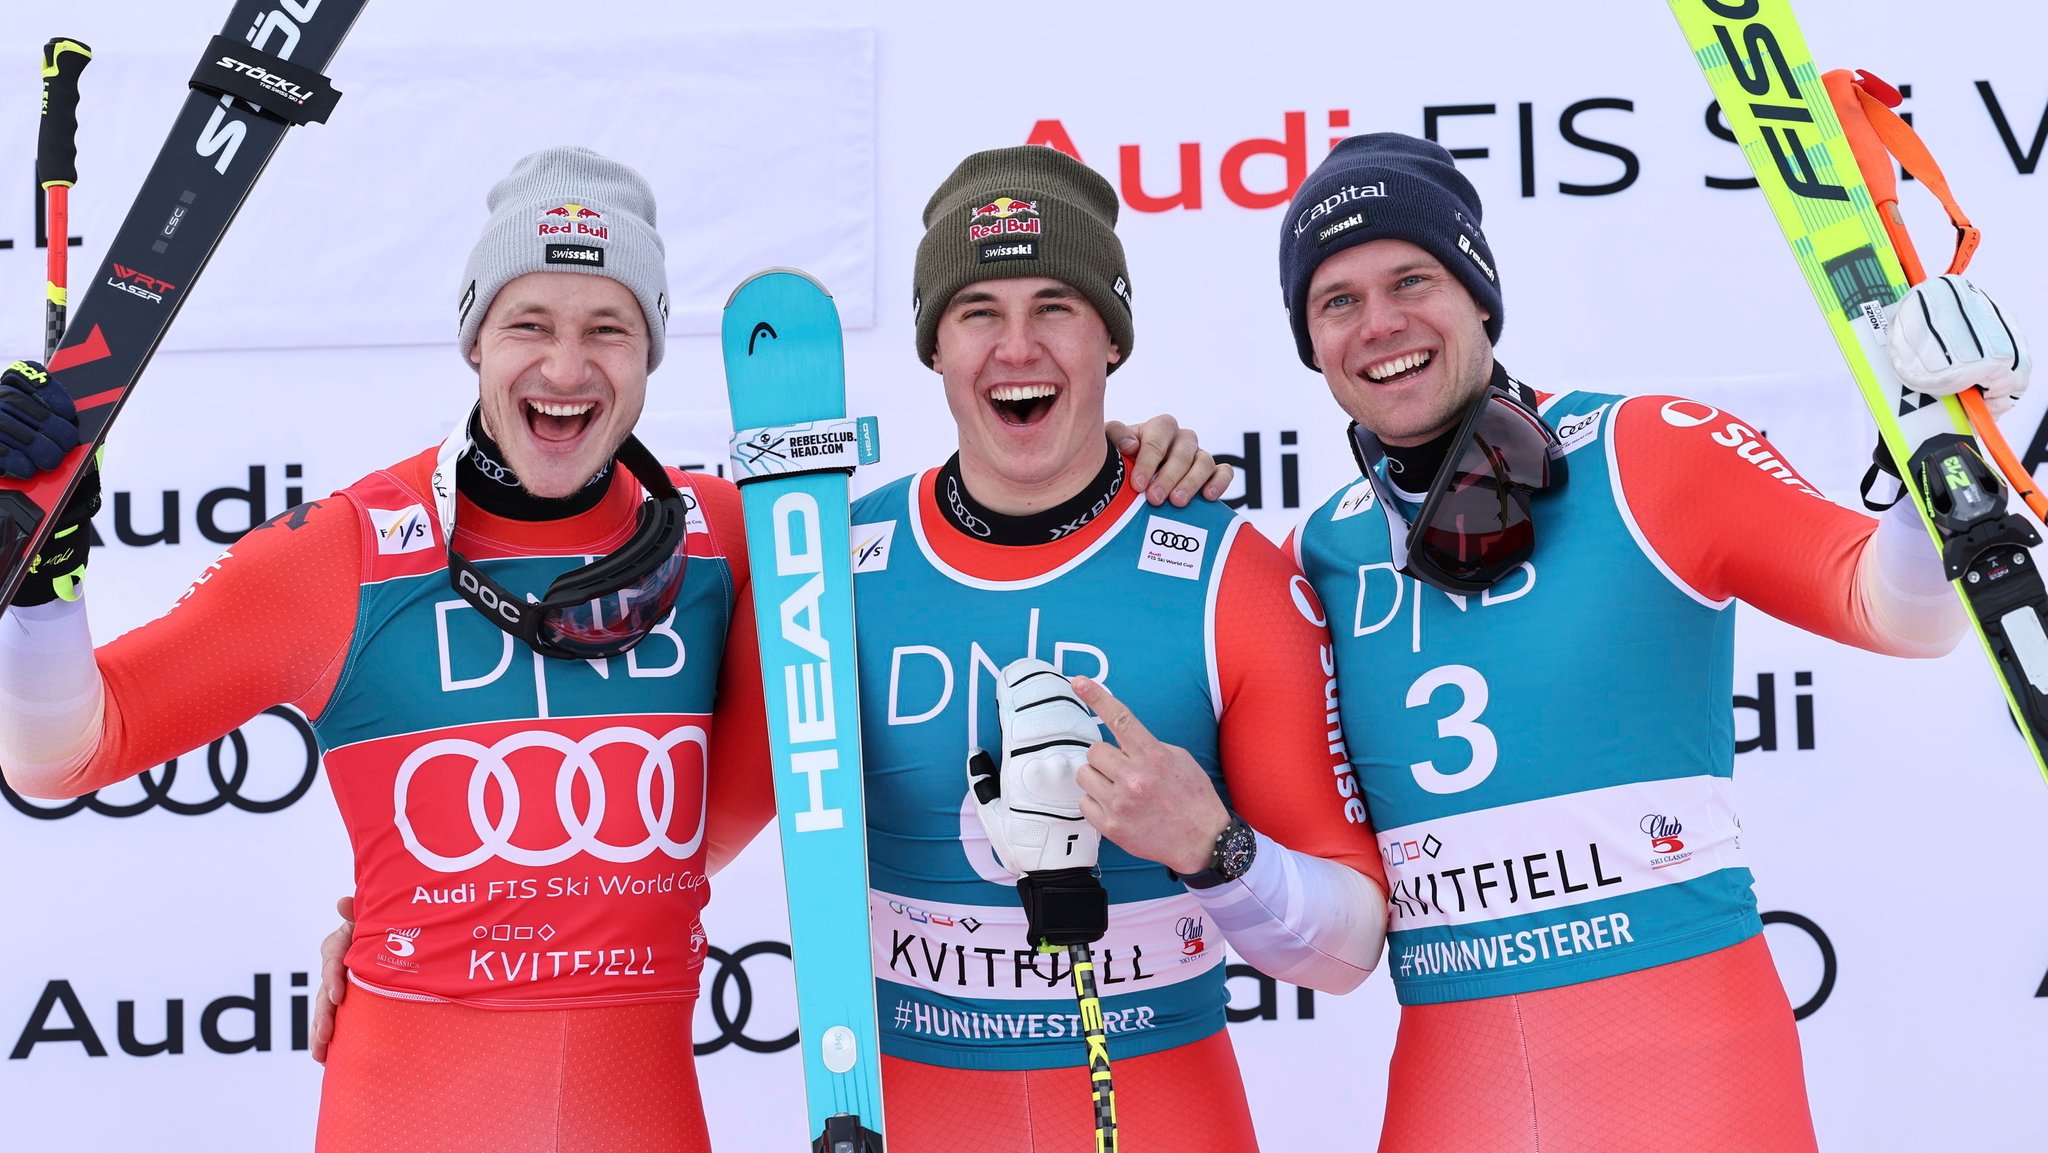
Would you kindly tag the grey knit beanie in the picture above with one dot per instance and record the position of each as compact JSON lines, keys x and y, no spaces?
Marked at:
{"x":1027,"y":210}
{"x":568,"y":210}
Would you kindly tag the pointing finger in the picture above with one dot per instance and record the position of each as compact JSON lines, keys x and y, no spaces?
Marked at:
{"x":1131,"y":734}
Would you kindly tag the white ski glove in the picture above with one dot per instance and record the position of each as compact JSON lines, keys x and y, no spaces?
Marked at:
{"x":1030,"y":804}
{"x":1946,"y":335}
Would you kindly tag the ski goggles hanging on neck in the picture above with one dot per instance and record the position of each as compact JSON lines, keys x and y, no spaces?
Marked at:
{"x":603,"y":608}
{"x":1474,"y":526}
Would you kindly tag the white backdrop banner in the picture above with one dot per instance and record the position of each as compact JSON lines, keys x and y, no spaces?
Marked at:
{"x":156,"y":939}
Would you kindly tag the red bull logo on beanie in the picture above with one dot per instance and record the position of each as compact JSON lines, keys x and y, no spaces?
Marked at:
{"x":573,"y":220}
{"x":1007,"y":217}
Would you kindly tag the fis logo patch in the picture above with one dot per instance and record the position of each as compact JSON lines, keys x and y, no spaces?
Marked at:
{"x":1174,"y":548}
{"x":872,"y":544}
{"x":1357,"y":499}
{"x":402,"y":530}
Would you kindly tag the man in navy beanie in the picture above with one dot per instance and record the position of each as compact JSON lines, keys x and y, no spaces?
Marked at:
{"x":1536,"y":683}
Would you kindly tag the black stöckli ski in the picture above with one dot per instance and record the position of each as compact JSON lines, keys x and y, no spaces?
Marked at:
{"x":259,"y":77}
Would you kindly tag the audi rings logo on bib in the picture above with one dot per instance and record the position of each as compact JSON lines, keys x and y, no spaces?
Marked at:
{"x":617,"y":789}
{"x":1174,"y":548}
{"x":263,"y":767}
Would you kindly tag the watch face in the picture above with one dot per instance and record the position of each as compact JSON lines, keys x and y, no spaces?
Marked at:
{"x":1234,"y":850}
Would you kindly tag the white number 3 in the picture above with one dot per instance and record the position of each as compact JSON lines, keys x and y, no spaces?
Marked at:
{"x":1462,"y":724}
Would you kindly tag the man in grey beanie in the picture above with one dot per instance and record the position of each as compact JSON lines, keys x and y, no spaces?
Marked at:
{"x":460,"y":661}
{"x":1032,"y":556}
{"x":1536,"y":682}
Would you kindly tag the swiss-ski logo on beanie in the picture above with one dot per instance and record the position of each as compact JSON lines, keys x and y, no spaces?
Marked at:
{"x":1007,"y":216}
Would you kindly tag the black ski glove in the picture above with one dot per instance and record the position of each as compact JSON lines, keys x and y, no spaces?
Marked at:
{"x":56,"y":571}
{"x":38,"y":422}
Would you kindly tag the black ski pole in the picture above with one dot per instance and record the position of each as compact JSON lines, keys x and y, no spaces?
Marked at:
{"x":57,"y":171}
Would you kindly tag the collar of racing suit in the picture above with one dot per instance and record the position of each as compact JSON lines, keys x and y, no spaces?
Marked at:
{"x":963,"y":512}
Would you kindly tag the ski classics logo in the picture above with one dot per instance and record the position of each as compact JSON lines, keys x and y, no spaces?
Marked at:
{"x":1173,"y":548}
{"x":1007,"y":217}
{"x":872,"y":544}
{"x":275,"y":31}
{"x":402,"y":530}
{"x":1666,"y":849}
{"x":399,"y":945}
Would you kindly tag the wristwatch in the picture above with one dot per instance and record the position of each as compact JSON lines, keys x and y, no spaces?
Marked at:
{"x":1236,"y":845}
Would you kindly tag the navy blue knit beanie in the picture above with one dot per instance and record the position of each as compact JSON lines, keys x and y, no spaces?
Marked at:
{"x":1380,"y":185}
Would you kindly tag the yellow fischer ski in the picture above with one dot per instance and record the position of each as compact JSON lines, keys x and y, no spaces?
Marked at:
{"x":1778,"y":106}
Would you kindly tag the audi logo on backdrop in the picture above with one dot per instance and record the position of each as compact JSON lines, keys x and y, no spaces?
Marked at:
{"x":1174,"y":540}
{"x":731,"y":997}
{"x":488,"y":766}
{"x":267,"y":779}
{"x":1813,"y":931}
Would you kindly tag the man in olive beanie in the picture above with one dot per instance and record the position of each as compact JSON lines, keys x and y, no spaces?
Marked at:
{"x":1022,"y":211}
{"x":1029,"y":557}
